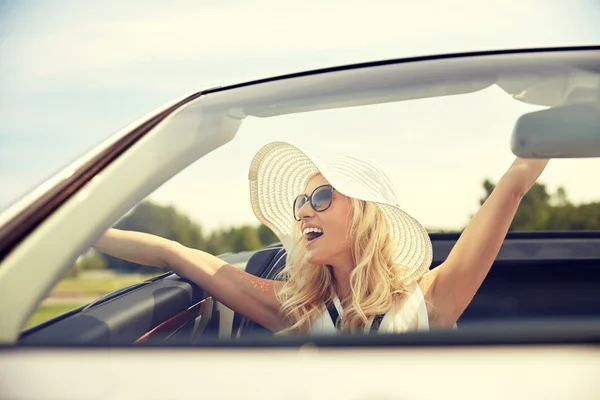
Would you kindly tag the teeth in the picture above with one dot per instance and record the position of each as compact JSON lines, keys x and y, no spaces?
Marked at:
{"x":306,"y":231}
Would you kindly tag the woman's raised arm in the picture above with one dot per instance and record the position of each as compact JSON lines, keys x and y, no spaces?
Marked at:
{"x":450,"y":287}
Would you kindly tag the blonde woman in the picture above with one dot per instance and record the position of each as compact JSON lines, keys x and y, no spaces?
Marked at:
{"x":356,"y":262}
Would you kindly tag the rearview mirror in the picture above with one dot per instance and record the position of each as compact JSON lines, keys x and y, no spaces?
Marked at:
{"x":571,"y":131}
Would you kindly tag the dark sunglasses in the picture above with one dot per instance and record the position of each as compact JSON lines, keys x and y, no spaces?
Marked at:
{"x":320,"y":200}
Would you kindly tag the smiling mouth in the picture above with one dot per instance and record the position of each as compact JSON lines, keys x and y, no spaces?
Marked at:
{"x":312,"y":233}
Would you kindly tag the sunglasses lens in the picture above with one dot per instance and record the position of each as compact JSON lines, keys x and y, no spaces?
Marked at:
{"x":321,"y":199}
{"x":298,"y":203}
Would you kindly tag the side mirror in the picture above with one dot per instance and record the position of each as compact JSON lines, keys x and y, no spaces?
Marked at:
{"x":571,"y":131}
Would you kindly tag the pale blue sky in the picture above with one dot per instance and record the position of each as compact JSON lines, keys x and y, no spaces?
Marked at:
{"x":74,"y":72}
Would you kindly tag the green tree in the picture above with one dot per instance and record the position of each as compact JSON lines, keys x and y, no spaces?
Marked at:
{"x":561,"y":197}
{"x":218,"y":243}
{"x":91,"y":261}
{"x":245,"y":238}
{"x":266,"y":235}
{"x":164,"y":221}
{"x":88,"y":261}
{"x":540,"y":210}
{"x":570,"y":217}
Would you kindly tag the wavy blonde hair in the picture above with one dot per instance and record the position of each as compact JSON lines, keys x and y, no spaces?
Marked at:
{"x":374,"y":281}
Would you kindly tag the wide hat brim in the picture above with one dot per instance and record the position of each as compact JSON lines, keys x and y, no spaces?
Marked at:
{"x":280,"y":171}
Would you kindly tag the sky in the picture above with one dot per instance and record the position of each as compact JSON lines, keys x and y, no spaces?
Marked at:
{"x":72,"y":73}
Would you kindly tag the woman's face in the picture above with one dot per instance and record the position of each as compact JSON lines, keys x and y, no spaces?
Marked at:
{"x":333,"y":247}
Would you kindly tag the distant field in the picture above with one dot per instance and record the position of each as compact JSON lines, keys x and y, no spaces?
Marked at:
{"x":46,"y":312}
{"x":71,"y":293}
{"x":95,"y":286}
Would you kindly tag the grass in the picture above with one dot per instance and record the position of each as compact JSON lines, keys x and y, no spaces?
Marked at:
{"x":76,"y":291}
{"x":46,"y":312}
{"x":95,"y":286}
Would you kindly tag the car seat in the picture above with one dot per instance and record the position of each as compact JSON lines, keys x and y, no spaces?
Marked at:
{"x":267,"y":264}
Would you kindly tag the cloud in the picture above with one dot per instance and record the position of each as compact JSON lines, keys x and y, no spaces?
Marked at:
{"x":190,"y":33}
{"x":73,"y":73}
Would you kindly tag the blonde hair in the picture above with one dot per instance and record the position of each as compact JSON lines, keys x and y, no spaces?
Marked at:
{"x":374,"y":281}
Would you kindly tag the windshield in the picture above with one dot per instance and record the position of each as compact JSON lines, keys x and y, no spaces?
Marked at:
{"x":440,"y":137}
{"x":441,"y":130}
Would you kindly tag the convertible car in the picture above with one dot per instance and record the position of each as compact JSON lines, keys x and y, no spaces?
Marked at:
{"x":532,"y":329}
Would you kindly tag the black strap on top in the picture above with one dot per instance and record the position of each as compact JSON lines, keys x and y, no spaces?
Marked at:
{"x":376,"y":322}
{"x":333,"y":313}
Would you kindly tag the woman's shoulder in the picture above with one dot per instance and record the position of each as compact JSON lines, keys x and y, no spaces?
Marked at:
{"x":408,"y":313}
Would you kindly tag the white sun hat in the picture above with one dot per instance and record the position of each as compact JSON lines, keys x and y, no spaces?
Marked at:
{"x":280,"y":171}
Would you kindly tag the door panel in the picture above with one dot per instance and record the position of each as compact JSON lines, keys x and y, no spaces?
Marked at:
{"x":125,"y":318}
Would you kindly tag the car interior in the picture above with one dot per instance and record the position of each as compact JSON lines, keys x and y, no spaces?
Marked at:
{"x":537,"y":276}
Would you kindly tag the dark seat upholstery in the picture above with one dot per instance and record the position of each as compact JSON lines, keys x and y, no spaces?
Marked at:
{"x":265,"y":263}
{"x":522,"y":285}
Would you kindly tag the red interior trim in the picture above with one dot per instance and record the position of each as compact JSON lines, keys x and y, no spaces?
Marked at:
{"x":175,"y":322}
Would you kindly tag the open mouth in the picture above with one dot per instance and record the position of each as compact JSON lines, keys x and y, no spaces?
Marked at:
{"x":312,"y":233}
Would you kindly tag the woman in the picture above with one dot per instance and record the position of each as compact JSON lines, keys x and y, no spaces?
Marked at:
{"x":354,"y":258}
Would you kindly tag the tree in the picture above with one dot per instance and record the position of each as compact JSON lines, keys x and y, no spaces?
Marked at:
{"x":87,"y":262}
{"x":266,"y":235}
{"x":91,"y":261}
{"x":246,"y":238}
{"x":164,"y":221}
{"x":218,"y":244}
{"x":540,"y":210}
{"x":561,"y":197}
{"x":242,"y":238}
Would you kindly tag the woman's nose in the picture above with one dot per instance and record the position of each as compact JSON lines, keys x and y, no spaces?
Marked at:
{"x":305,"y":211}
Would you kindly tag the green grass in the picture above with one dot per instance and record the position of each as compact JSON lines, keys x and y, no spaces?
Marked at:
{"x":46,"y":312}
{"x":95,"y":286}
{"x":76,"y":291}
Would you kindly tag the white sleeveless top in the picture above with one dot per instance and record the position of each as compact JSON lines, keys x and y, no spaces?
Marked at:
{"x":408,"y":315}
